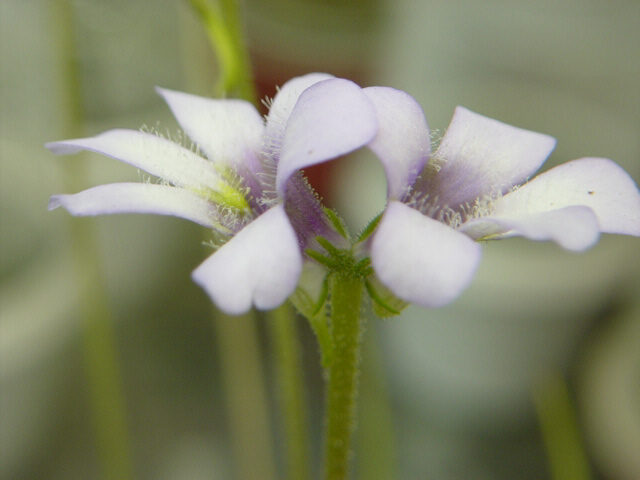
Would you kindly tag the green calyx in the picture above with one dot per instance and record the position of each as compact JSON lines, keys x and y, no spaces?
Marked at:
{"x":340,"y":260}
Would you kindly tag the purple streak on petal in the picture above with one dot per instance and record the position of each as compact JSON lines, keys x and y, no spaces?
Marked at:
{"x":598,"y":183}
{"x":259,"y":266}
{"x":331,"y":118}
{"x":574,"y":228}
{"x":481,"y":156}
{"x":306,"y":213}
{"x":137,"y":198}
{"x":403,"y":141}
{"x":420,"y":259}
{"x":155,"y":155}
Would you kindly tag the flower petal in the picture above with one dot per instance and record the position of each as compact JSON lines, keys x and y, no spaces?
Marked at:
{"x":331,"y":118}
{"x":480,"y":156}
{"x":228,"y":131}
{"x":403,"y":141}
{"x":260,"y":265}
{"x":598,"y":183}
{"x":151,"y":153}
{"x":420,"y":259}
{"x":574,"y":228}
{"x":283,"y":104}
{"x":137,"y":198}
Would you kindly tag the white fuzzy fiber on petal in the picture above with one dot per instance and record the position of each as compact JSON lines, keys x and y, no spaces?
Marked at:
{"x":227,"y":131}
{"x":155,"y":155}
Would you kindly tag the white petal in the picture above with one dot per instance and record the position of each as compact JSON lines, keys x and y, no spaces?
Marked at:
{"x":137,"y":198}
{"x":420,"y":259}
{"x":403,"y":141}
{"x":228,"y":131}
{"x":260,"y":265}
{"x":331,"y":118}
{"x":598,"y":183}
{"x":574,"y":228}
{"x":151,"y":153}
{"x":283,"y":104}
{"x":479,"y":156}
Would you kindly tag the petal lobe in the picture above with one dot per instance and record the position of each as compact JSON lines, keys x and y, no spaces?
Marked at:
{"x":259,"y":266}
{"x":420,"y":259}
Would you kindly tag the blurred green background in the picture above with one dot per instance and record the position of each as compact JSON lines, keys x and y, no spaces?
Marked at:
{"x":460,"y":381}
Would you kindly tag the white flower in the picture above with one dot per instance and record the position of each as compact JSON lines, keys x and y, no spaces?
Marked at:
{"x":247,"y":189}
{"x":472,"y":188}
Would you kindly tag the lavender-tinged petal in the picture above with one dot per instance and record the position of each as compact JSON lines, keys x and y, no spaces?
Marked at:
{"x":574,"y":228}
{"x":331,"y":118}
{"x":260,"y":266}
{"x":597,"y":183}
{"x":306,"y":214}
{"x":227,"y":131}
{"x":420,"y":259}
{"x":480,"y":156}
{"x":137,"y":198}
{"x":402,"y":142}
{"x":283,"y":104}
{"x":151,"y":153}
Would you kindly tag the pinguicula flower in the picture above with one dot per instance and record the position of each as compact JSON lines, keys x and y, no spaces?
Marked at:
{"x":239,"y":179}
{"x":475,"y":187}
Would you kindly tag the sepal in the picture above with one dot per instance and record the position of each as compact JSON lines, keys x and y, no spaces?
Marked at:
{"x":369,"y":229}
{"x":385,"y":303}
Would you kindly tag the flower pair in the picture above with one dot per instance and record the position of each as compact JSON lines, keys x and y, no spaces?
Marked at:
{"x":249,"y":190}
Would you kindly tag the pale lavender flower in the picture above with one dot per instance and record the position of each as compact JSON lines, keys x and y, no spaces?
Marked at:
{"x":425,"y":247}
{"x":246,"y":189}
{"x":474,"y":187}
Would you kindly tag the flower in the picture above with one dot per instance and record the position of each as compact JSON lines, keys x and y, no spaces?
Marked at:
{"x":474,"y":187}
{"x":247,"y":189}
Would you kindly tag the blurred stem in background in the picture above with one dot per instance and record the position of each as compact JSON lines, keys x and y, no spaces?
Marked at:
{"x":246,"y":398}
{"x":375,"y":437}
{"x":100,"y":352}
{"x":289,"y":376}
{"x":559,"y":428}
{"x":238,"y":337}
{"x":222,"y":21}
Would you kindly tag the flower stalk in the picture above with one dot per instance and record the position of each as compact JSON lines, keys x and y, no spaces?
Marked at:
{"x":342,"y":375}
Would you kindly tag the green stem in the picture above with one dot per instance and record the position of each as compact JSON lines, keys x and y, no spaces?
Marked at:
{"x":284,"y":335}
{"x":342,"y":381}
{"x":375,"y":437}
{"x":238,"y":336}
{"x":100,"y":352}
{"x":224,"y":29}
{"x":559,"y":429}
{"x":246,"y":400}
